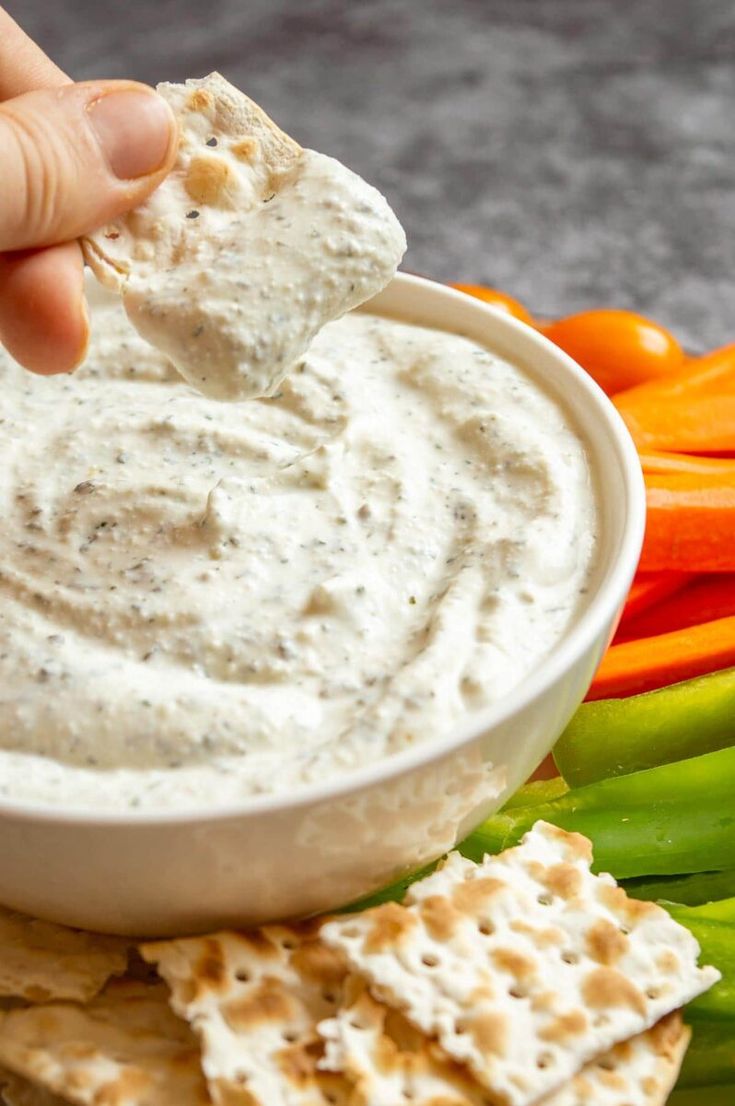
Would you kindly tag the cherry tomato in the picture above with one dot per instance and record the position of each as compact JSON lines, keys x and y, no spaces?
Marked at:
{"x":498,"y":299}
{"x":618,"y":348}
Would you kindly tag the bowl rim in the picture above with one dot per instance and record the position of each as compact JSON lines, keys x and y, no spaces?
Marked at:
{"x":576,"y":640}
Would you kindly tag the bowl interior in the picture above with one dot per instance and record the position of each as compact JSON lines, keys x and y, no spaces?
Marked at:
{"x":621,"y":506}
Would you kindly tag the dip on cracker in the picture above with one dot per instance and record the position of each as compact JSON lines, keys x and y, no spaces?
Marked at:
{"x":247,"y":249}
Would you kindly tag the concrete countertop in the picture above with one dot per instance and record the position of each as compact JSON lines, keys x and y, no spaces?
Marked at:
{"x":574,"y":152}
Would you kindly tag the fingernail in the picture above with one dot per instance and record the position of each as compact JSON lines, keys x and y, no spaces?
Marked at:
{"x":133,"y":128}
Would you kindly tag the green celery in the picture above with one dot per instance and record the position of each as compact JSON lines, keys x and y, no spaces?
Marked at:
{"x":540,"y":791}
{"x":723,"y":910}
{"x":724,"y":1095}
{"x":670,"y":820}
{"x":613,"y":737}
{"x":689,"y":890}
{"x":713,"y":925}
{"x":394,"y":892}
{"x":710,"y":1059}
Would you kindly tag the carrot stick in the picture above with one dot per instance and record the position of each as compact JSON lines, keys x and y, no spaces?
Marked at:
{"x":652,"y":662}
{"x":649,"y":589}
{"x":686,"y":424}
{"x":691,"y":410}
{"x":662,"y":462}
{"x":713,"y":373}
{"x":690,"y":523}
{"x":704,"y":599}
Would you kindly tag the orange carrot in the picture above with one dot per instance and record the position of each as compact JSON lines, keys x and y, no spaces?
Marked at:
{"x":649,"y":589}
{"x":704,"y":599}
{"x":498,"y":299}
{"x":690,"y":523}
{"x":657,"y":461}
{"x":618,"y":348}
{"x":652,"y":662}
{"x":685,"y":424}
{"x":713,"y":373}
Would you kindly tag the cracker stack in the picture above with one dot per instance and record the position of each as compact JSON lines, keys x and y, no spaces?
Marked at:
{"x":525,"y":979}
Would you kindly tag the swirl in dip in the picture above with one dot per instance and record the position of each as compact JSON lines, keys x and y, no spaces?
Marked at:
{"x":206,"y":601}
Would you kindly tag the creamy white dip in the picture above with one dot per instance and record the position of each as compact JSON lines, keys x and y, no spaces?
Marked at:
{"x":202,"y":601}
{"x":245,"y":300}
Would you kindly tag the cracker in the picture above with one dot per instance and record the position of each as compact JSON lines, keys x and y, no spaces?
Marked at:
{"x":250,"y":160}
{"x":639,"y":1072}
{"x":388,"y":1060}
{"x":126,"y":1046}
{"x":16,"y":1091}
{"x":391,"y":1062}
{"x":255,"y":999}
{"x":41,"y":961}
{"x":248,"y":247}
{"x":524,"y":967}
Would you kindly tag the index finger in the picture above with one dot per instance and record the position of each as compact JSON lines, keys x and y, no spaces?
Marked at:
{"x":23,"y":65}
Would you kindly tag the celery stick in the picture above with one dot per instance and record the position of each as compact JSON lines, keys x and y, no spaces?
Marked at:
{"x":540,"y":791}
{"x":724,"y":1095}
{"x":613,"y":737}
{"x":670,"y":820}
{"x":717,"y":942}
{"x":710,"y":1059}
{"x":689,"y":890}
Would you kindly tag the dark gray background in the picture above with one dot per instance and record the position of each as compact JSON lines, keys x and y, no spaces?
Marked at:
{"x":573,"y":152}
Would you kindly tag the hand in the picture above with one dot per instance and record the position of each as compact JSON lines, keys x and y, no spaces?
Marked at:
{"x":73,"y":156}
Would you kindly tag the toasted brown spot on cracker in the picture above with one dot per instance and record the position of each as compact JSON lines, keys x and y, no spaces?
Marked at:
{"x":490,"y":1033}
{"x":210,"y":970}
{"x":391,"y":924}
{"x":575,"y":843}
{"x":246,"y":149}
{"x":605,"y":943}
{"x":543,"y":1002}
{"x":668,"y":1032}
{"x":667,"y":962}
{"x":604,"y":988}
{"x":268,"y":1001}
{"x":469,"y":897}
{"x":515,"y":963}
{"x":200,"y":100}
{"x":258,"y":945}
{"x":633,"y":910}
{"x":612,"y":1080}
{"x":317,"y":962}
{"x":565,"y":1027}
{"x":226,"y":1093}
{"x":440,"y":917}
{"x":541,"y":937}
{"x":210,"y":180}
{"x":563,"y":880}
{"x":296,"y":1065}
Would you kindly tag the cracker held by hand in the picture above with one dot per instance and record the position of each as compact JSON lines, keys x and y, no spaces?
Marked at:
{"x":125,"y":1047}
{"x":254,"y":999}
{"x":525,"y":967}
{"x":41,"y":961}
{"x":247,"y":248}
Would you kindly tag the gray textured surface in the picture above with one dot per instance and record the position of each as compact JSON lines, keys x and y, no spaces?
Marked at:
{"x":574,"y":152}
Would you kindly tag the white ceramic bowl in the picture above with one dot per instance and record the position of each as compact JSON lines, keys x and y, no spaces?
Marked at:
{"x":272,"y":857}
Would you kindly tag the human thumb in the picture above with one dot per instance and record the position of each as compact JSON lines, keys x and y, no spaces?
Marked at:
{"x":75,"y":157}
